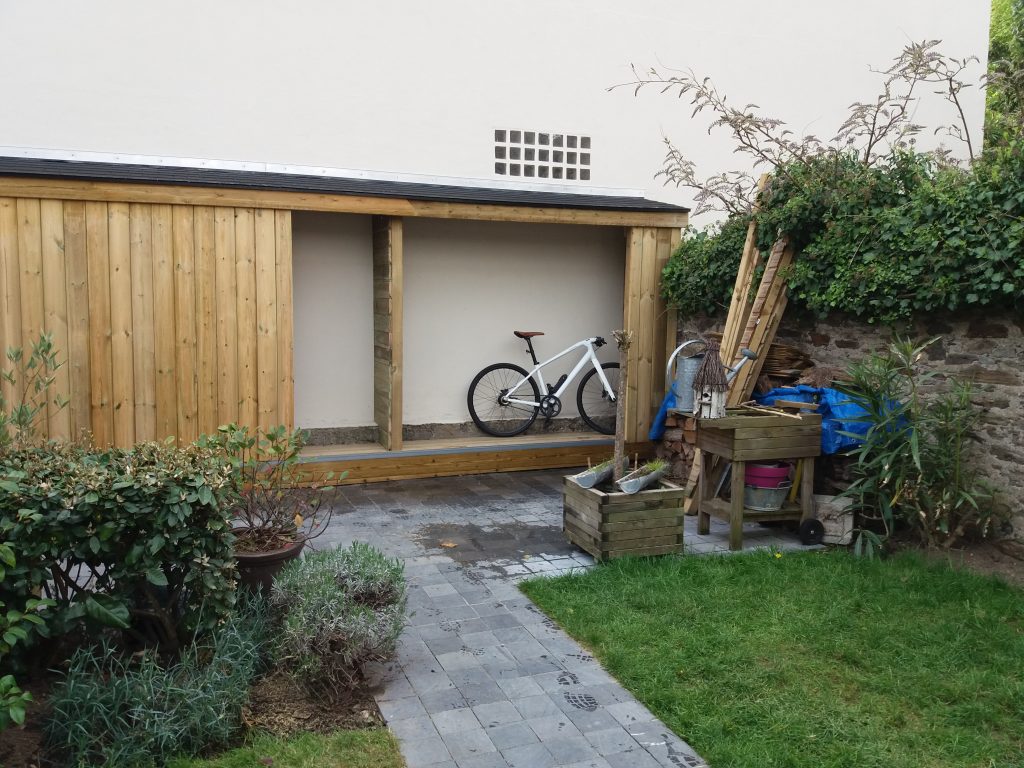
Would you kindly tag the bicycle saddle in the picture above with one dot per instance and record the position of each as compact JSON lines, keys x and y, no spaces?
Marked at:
{"x":528,"y":334}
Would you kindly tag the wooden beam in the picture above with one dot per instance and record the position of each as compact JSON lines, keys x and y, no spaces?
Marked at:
{"x":411,"y":463}
{"x":387,"y":330}
{"x":108,"y":191}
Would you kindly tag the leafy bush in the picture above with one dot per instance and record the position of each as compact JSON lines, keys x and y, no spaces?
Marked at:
{"x":138,"y":539}
{"x":699,"y":277}
{"x":902,"y":237}
{"x":340,"y":609}
{"x":137,"y":713}
{"x":911,"y":469}
{"x":17,"y":627}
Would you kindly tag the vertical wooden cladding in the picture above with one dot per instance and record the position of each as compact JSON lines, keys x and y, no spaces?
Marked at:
{"x":644,"y":312}
{"x":387,"y":330}
{"x":171,"y":319}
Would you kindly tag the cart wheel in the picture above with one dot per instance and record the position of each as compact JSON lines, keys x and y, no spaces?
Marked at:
{"x":811,"y":532}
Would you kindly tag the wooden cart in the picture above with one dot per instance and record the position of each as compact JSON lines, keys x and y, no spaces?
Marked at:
{"x":743,"y":436}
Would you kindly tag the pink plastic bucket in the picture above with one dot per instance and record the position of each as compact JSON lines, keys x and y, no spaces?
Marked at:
{"x":767,"y":474}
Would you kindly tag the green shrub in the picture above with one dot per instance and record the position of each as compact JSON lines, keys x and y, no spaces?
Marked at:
{"x":911,"y":470}
{"x":137,"y":539}
{"x":138,"y":713}
{"x":903,"y":237}
{"x":339,"y":609}
{"x":699,"y":277}
{"x":17,"y":628}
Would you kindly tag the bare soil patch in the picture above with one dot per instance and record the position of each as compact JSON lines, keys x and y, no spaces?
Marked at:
{"x":282,"y":706}
{"x":1004,"y":558}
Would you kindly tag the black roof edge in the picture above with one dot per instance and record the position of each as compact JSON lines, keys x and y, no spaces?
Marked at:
{"x":328,"y":185}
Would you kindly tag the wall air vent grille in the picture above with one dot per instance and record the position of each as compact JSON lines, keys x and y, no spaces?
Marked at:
{"x":539,"y":155}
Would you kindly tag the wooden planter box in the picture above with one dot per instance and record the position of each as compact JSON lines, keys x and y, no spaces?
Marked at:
{"x":611,"y":525}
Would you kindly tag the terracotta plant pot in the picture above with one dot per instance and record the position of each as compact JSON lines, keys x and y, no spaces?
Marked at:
{"x":256,"y":570}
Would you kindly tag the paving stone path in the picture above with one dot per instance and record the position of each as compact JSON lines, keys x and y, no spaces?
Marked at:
{"x":482,"y":678}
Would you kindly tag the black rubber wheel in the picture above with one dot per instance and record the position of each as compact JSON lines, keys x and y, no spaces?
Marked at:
{"x":596,"y":408}
{"x":811,"y":532}
{"x":485,"y":405}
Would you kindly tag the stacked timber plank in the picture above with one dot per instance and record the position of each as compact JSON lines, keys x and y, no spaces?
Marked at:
{"x":609,"y":525}
{"x":751,"y":324}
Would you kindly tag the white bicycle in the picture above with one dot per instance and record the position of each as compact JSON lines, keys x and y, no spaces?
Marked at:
{"x":505,"y":399}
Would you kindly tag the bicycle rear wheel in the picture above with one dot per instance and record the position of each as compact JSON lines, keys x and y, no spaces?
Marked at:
{"x":596,"y":408}
{"x":487,"y":404}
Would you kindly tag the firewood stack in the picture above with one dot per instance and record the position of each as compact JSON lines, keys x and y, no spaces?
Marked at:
{"x":677,"y":444}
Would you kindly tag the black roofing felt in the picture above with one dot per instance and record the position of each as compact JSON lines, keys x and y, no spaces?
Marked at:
{"x":327,"y":185}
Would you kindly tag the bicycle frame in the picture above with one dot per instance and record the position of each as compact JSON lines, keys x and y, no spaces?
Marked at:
{"x":589,"y":356}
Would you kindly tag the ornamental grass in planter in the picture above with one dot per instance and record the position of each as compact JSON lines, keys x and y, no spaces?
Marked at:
{"x":279,"y":506}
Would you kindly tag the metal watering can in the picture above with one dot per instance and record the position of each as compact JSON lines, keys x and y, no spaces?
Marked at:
{"x":681,"y":380}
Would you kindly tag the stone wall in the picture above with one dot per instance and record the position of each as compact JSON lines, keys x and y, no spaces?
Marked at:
{"x":988,"y":349}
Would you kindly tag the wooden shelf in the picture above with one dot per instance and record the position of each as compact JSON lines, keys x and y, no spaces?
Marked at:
{"x":721,"y":509}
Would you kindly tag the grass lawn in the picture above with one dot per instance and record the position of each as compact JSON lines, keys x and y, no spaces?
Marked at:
{"x":810,"y":659}
{"x":371,"y":748}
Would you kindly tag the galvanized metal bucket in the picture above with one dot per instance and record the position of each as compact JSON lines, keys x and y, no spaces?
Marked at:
{"x":766,"y":499}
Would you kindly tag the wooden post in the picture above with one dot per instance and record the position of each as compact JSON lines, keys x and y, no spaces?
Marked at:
{"x":624,"y":339}
{"x":705,"y":491}
{"x":739,"y":469}
{"x":387,"y":330}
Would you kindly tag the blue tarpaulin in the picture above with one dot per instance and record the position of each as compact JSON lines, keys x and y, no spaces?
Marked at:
{"x":838,"y":413}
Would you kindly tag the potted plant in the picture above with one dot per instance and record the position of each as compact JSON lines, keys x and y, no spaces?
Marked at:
{"x":634,"y":520}
{"x":279,"y":507}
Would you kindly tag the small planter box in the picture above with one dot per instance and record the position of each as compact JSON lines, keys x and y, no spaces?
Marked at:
{"x":611,"y":525}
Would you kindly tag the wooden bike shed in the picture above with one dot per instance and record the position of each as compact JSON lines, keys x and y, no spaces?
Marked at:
{"x":169,"y":293}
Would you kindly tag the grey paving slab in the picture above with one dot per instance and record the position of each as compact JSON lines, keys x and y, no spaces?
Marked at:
{"x":512,"y":735}
{"x":454,"y":720}
{"x":488,"y":760}
{"x":529,"y":756}
{"x":420,"y":753}
{"x":467,"y":743}
{"x":482,"y":678}
{"x":495,"y":713}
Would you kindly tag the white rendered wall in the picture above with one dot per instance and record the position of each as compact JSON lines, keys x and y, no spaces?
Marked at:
{"x":418,"y":87}
{"x":468,"y":285}
{"x":333,"y":320}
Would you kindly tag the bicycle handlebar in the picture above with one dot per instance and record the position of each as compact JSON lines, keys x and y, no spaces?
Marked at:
{"x":599,"y":341}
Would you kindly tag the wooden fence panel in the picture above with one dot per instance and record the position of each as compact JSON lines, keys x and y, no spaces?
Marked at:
{"x":170,"y":319}
{"x":121,"y":350}
{"x":55,"y":308}
{"x":77,"y":269}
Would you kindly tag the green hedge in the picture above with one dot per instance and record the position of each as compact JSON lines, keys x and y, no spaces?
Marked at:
{"x":887,"y":242}
{"x":137,"y":539}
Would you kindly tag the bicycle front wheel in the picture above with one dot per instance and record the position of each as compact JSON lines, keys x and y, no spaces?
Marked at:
{"x":489,"y":406}
{"x":593,"y":402}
